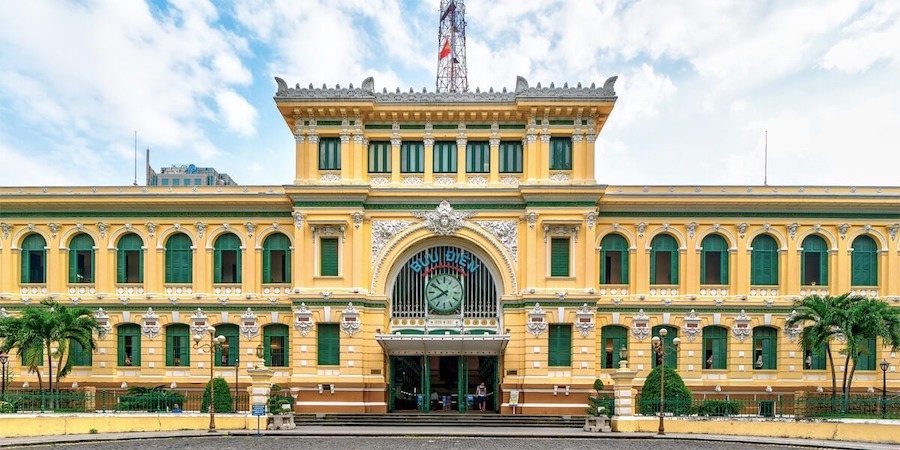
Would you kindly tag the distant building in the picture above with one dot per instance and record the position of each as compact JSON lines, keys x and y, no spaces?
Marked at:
{"x":188,"y":175}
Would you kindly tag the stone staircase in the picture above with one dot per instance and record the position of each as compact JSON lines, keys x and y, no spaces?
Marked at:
{"x":438,"y":420}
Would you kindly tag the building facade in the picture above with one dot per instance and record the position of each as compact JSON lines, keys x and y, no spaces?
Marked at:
{"x":187,"y":175}
{"x":431,"y":241}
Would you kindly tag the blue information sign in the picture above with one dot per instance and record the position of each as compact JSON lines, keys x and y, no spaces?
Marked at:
{"x":259,"y":410}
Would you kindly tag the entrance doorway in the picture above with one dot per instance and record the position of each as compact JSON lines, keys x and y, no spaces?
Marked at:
{"x":442,"y":383}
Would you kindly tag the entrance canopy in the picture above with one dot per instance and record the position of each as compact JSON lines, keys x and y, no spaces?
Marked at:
{"x":449,"y":344}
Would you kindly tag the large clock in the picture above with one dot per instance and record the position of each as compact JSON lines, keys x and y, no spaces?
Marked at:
{"x":444,"y":293}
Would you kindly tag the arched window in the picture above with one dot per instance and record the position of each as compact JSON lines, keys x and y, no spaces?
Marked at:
{"x":130,"y":259}
{"x":34,"y":259}
{"x":715,"y":348}
{"x":765,"y":348}
{"x":129,"y":348}
{"x":178,"y":345}
{"x":864,"y":262}
{"x":613,"y":259}
{"x":663,"y":260}
{"x":276,"y":259}
{"x":227,"y":259}
{"x":275,"y":345}
{"x":814,"y":263}
{"x":612,"y":339}
{"x":228,"y":354}
{"x":179,"y":259}
{"x":815,"y":359}
{"x":81,"y":259}
{"x":764,"y":261}
{"x":671,"y":354}
{"x":714,"y":260}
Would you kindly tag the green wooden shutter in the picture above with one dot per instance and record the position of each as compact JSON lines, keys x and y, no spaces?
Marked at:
{"x":287,"y":265}
{"x":26,"y":266}
{"x":120,"y":266}
{"x":511,"y":157}
{"x":328,"y":257}
{"x":73,"y":266}
{"x":239,"y":254}
{"x":132,"y":331}
{"x":618,"y":337}
{"x":864,"y":262}
{"x":170,"y":347}
{"x":823,"y":268}
{"x":674,"y":267}
{"x":603,"y":256}
{"x":559,"y":257}
{"x":653,"y":266}
{"x":560,"y":345}
{"x":267,"y":266}
{"x":625,"y":265}
{"x":217,"y":266}
{"x":328,"y":344}
{"x":723,"y":271}
{"x":276,"y":334}
{"x":720,"y":352}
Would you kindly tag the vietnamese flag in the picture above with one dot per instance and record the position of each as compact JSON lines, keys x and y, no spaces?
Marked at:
{"x":445,"y":50}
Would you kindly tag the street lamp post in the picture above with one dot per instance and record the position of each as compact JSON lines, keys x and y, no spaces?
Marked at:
{"x":4,"y":358}
{"x":884,"y":368}
{"x":215,"y":343}
{"x":659,"y":347}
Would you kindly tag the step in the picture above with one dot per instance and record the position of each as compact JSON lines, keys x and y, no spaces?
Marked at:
{"x":439,"y":419}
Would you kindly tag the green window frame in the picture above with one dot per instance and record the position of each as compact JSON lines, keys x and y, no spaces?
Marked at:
{"x":129,"y":345}
{"x":412,"y":157}
{"x":864,"y":262}
{"x":715,"y":348}
{"x":764,"y":261}
{"x":612,"y":339}
{"x":560,"y":255}
{"x":815,"y":359}
{"x":178,"y":345}
{"x":330,"y":153}
{"x":765,"y":348}
{"x":663,"y":246}
{"x":380,"y":157}
{"x":560,"y":153}
{"x":34,"y":259}
{"x":228,"y":353}
{"x":329,"y":257}
{"x":614,"y":253}
{"x":227,"y":259}
{"x":275,"y":345}
{"x":81,"y":259}
{"x":511,"y":157}
{"x":714,"y":260}
{"x":328,"y":344}
{"x":669,"y":341}
{"x":868,"y":356}
{"x":130,"y":259}
{"x":560,"y":345}
{"x":79,"y":355}
{"x":276,"y":259}
{"x":445,"y":157}
{"x":814,"y":261}
{"x":179,"y":259}
{"x":478,"y":157}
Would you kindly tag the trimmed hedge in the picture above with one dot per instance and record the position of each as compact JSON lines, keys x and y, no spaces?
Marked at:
{"x":224,"y":402}
{"x":678,"y":396}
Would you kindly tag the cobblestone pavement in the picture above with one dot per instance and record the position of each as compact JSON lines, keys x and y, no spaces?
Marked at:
{"x":407,"y":443}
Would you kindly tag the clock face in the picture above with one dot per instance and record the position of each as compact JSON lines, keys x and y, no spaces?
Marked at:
{"x":444,"y":292}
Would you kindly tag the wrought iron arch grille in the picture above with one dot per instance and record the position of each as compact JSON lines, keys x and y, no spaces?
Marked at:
{"x":479,"y":288}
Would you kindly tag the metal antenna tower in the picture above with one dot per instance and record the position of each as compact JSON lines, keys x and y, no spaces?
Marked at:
{"x":451,"y":73}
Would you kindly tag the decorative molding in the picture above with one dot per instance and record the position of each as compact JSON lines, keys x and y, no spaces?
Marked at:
{"x":350,"y":320}
{"x":511,"y":180}
{"x":103,"y":325}
{"x":559,"y":177}
{"x":103,"y":227}
{"x":5,"y":228}
{"x":329,"y":177}
{"x":537,"y":321}
{"x":561,"y":230}
{"x":742,"y":229}
{"x":505,"y":231}
{"x":792,"y":332}
{"x":585,"y":323}
{"x":250,"y":227}
{"x":741,"y":329}
{"x":444,"y":220}
{"x":892,"y":230}
{"x":328,"y":230}
{"x":478,"y":180}
{"x":445,"y":180}
{"x":792,"y":229}
{"x":691,"y":327}
{"x":201,"y":228}
{"x":383,"y":231}
{"x":299,"y":217}
{"x":379,"y":180}
{"x":591,"y":219}
{"x":641,"y":227}
{"x":842,"y":229}
{"x":199,"y":322}
{"x":357,"y":219}
{"x":412,"y":180}
{"x":303,"y":321}
{"x":692,"y":229}
{"x":249,"y":325}
{"x":151,"y":228}
{"x":54,"y":229}
{"x":640,"y":326}
{"x":531,"y":217}
{"x":150,"y":326}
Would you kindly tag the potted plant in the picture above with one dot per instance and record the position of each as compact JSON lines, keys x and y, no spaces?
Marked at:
{"x":281,"y":409}
{"x":598,"y":410}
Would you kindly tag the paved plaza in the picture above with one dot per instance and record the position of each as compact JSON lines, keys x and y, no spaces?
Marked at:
{"x":408,"y":443}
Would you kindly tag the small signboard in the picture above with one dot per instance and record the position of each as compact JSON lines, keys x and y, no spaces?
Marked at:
{"x":513,"y":398}
{"x":259,"y":410}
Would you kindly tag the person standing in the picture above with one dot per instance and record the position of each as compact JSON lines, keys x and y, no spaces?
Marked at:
{"x":481,"y":396}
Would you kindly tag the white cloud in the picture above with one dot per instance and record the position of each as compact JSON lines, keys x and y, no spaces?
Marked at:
{"x":873,"y":37}
{"x":238,"y":113}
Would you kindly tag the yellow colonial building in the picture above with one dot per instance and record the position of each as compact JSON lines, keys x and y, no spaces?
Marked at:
{"x":432,"y":241}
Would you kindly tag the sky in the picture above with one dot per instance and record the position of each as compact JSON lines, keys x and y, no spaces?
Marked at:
{"x":700,"y":82}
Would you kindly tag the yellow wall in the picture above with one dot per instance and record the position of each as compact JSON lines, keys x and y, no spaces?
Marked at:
{"x":21,"y":425}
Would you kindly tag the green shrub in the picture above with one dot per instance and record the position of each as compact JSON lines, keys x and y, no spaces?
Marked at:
{"x":600,"y":401}
{"x":158,"y":398}
{"x":678,"y":396}
{"x":6,"y":407}
{"x":277,"y":400}
{"x":224,"y":402}
{"x":718,"y":408}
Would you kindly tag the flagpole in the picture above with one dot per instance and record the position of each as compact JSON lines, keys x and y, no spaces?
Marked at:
{"x":766,"y":161}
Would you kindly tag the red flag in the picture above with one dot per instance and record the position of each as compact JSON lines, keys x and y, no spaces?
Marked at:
{"x":445,"y":50}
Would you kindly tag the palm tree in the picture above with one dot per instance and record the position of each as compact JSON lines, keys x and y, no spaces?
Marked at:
{"x":824,"y":314}
{"x":864,"y":319}
{"x":48,"y":324}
